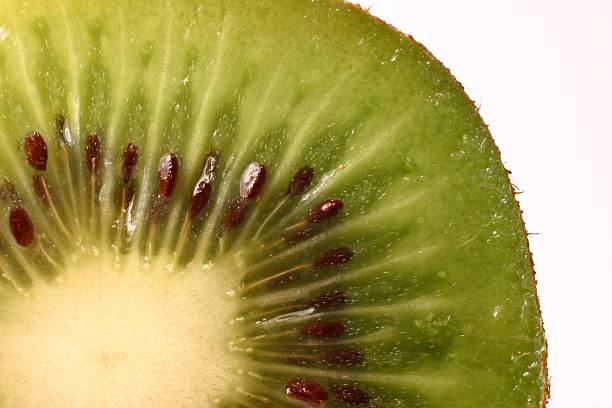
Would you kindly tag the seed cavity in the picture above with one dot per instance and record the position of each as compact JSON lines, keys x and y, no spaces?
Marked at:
{"x":300,"y":181}
{"x":344,"y":357}
{"x":307,"y":391}
{"x":325,"y":329}
{"x":328,"y":300}
{"x":92,"y":151}
{"x":350,"y":395}
{"x":325,"y":210}
{"x":35,"y":150}
{"x":203,"y":188}
{"x":252,"y":181}
{"x":334,"y":257}
{"x":130,"y":159}
{"x":167,"y":174}
{"x":21,"y":226}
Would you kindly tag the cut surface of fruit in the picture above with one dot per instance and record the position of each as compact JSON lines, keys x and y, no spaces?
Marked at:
{"x":109,"y":329}
{"x":251,"y":204}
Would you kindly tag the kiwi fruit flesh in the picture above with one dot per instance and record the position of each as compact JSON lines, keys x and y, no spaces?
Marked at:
{"x":251,"y":204}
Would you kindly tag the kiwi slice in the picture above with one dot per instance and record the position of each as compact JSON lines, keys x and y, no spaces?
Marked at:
{"x":251,"y":204}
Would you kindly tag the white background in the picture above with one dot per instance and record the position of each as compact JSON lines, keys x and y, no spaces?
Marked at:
{"x":541,"y":70}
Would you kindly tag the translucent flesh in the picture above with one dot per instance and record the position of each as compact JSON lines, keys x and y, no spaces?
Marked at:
{"x":442,"y":299}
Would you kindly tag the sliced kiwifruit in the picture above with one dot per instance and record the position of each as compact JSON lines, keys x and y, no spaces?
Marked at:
{"x":251,"y":204}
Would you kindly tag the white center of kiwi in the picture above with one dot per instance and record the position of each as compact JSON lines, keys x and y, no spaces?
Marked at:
{"x":151,"y":337}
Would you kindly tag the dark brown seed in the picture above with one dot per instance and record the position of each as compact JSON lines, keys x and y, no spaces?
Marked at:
{"x":199,"y":198}
{"x":344,"y":357}
{"x":167,"y":174}
{"x":328,"y":300}
{"x":334,"y":257}
{"x":325,"y":210}
{"x":326,"y":329}
{"x":35,"y":150}
{"x":130,"y":158}
{"x":9,"y":194}
{"x":92,"y":151}
{"x":21,"y":226}
{"x":38,"y":184}
{"x":299,"y":234}
{"x":235,"y":213}
{"x":307,"y":391}
{"x":203,"y":189}
{"x":300,"y":181}
{"x":350,"y":395}
{"x":252,"y":181}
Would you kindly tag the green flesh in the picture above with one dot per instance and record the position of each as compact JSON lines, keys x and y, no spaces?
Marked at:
{"x":442,"y":294}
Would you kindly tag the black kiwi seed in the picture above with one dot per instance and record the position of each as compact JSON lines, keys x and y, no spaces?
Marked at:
{"x":92,"y":151}
{"x":252,"y":181}
{"x":334,"y":257}
{"x":300,"y":181}
{"x":203,"y":188}
{"x":325,"y":210}
{"x":21,"y":226}
{"x":307,"y":391}
{"x":35,"y":150}
{"x":130,"y":159}
{"x":324,"y":329}
{"x":167,"y":174}
{"x":299,"y":234}
{"x":235,"y":212}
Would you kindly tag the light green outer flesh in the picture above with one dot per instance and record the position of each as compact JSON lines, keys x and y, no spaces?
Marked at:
{"x":292,"y":83}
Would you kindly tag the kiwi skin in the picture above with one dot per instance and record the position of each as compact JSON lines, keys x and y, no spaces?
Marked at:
{"x":129,"y":121}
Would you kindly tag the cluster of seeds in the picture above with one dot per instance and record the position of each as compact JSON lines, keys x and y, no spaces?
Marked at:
{"x":251,"y":184}
{"x":316,"y":396}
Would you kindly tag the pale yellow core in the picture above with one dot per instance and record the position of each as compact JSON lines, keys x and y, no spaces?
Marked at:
{"x":118,"y":337}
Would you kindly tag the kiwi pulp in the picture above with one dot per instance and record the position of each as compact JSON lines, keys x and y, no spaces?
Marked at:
{"x":250,"y":204}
